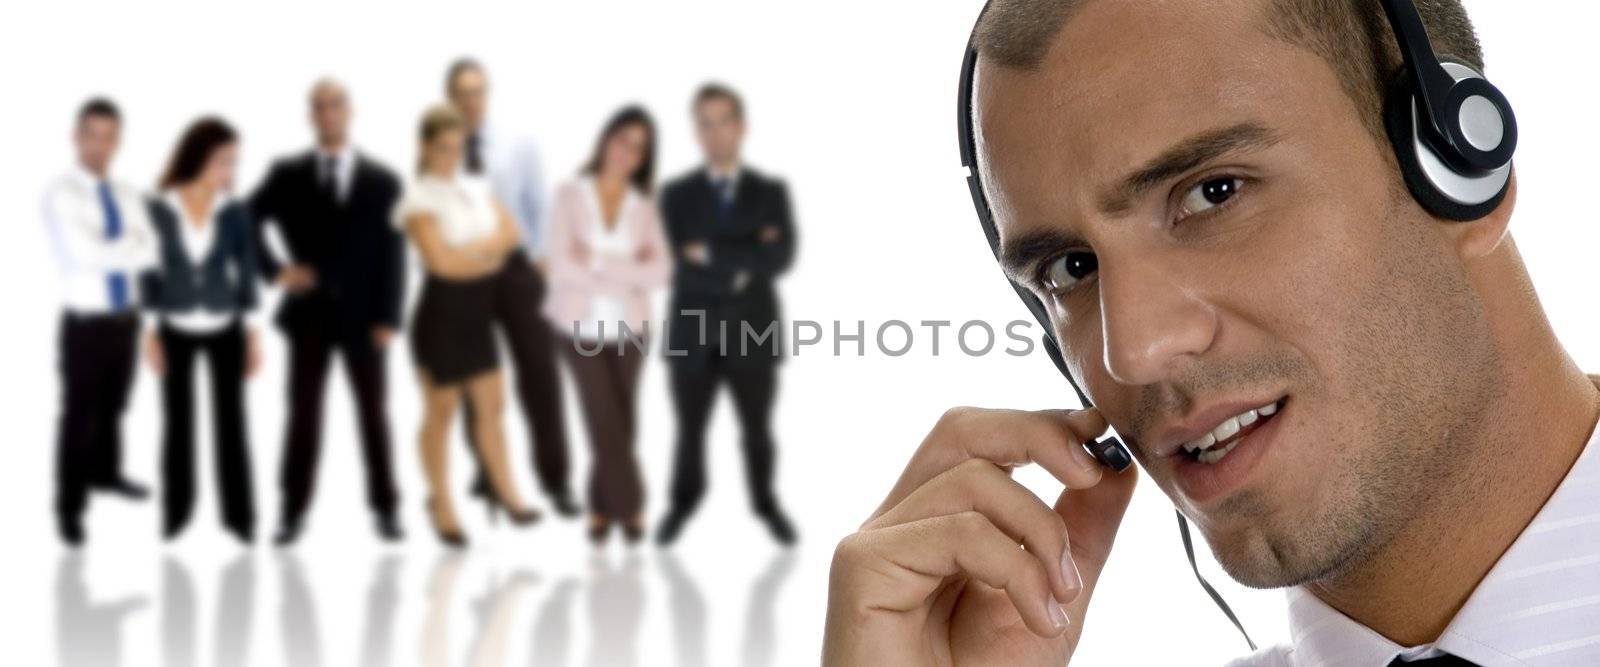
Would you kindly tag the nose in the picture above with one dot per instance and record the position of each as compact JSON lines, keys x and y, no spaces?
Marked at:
{"x":1150,"y":323}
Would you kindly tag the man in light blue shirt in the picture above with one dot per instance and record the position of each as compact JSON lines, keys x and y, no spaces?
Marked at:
{"x":511,"y":164}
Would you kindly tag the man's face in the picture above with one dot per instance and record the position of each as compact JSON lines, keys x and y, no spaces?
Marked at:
{"x":720,"y":129}
{"x":96,"y":139}
{"x":469,"y":92}
{"x":330,"y":114}
{"x":1214,"y":230}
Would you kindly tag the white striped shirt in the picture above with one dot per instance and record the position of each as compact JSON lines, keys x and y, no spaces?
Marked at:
{"x":1539,"y":605}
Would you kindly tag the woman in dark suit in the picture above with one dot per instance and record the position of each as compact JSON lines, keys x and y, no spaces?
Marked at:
{"x":201,"y":290}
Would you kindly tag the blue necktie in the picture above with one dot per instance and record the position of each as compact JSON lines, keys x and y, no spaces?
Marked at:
{"x":118,"y":283}
{"x":724,"y":188}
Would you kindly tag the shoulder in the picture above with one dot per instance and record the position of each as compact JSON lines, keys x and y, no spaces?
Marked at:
{"x":377,"y":171}
{"x":679,"y":185}
{"x":289,"y":163}
{"x":234,"y":212}
{"x":763,"y":180}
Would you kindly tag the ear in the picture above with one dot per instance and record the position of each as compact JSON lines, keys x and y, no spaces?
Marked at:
{"x":1483,"y":236}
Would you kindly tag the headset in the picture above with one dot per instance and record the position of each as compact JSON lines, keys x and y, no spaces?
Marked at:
{"x":1453,"y":135}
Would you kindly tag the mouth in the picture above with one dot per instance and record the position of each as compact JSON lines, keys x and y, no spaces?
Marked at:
{"x":1216,"y":444}
{"x":1222,"y":459}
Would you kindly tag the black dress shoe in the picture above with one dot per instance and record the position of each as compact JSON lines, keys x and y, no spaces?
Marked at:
{"x":71,"y":528}
{"x":671,"y":526}
{"x":564,"y":505}
{"x":389,"y":528}
{"x":126,"y":488}
{"x":287,"y":534}
{"x":779,"y":526}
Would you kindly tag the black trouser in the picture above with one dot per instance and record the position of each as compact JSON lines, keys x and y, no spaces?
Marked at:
{"x":224,"y":352}
{"x":97,"y":361}
{"x":518,"y":300}
{"x":693,"y":388}
{"x":608,"y":383}
{"x":310,"y":353}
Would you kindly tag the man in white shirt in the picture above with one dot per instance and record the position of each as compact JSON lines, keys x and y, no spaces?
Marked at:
{"x":102,"y":240}
{"x":1349,"y":387}
{"x":511,"y":165}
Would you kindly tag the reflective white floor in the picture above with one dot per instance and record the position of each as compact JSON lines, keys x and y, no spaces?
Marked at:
{"x":264,"y":607}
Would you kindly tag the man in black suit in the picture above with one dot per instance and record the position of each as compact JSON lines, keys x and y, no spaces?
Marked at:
{"x":343,"y":290}
{"x":732,"y":233}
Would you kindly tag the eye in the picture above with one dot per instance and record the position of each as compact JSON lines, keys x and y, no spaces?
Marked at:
{"x":1065,"y":271}
{"x":1209,"y":195}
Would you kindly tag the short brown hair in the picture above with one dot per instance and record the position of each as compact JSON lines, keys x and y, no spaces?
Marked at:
{"x":437,"y":120}
{"x":718,"y":91}
{"x":1352,"y":36}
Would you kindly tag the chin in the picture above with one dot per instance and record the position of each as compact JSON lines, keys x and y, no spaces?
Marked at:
{"x":1274,"y":551}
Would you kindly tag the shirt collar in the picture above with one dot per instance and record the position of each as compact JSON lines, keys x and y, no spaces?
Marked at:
{"x":170,"y":196}
{"x":83,"y":175}
{"x":1530,"y":604}
{"x":731,"y":174}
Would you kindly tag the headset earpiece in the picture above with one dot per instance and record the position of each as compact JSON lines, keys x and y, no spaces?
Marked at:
{"x":1439,"y":178}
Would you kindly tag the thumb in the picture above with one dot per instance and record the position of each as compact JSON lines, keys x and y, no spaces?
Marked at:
{"x":1093,"y":516}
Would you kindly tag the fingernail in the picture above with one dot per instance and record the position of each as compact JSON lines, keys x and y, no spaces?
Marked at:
{"x":1069,"y":574}
{"x":1058,"y":616}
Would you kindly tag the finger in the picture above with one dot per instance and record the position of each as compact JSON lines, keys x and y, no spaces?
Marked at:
{"x":1052,"y":438}
{"x":900,"y":566}
{"x":980,"y":486}
{"x":1092,"y":518}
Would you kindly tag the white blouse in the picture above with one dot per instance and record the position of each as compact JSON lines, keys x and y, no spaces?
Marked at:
{"x":463,"y":207}
{"x":616,"y":243}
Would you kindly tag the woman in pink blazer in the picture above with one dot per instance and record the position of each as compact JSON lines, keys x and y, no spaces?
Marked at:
{"x":606,"y":255}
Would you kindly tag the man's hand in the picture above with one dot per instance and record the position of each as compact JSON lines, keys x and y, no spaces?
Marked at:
{"x":252,"y":353}
{"x":381,"y":336}
{"x":697,"y":252}
{"x":770,"y":234}
{"x":936,"y":575}
{"x":297,"y":278}
{"x":154,"y":354}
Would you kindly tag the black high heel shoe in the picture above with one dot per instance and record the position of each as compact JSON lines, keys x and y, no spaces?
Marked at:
{"x":519,"y":517}
{"x":633,"y":530}
{"x":454,"y":539}
{"x":599,"y":530}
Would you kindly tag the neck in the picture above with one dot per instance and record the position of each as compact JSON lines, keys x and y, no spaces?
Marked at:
{"x":97,"y":171}
{"x":196,"y":192}
{"x":1410,"y":588}
{"x":724,"y":166}
{"x":611,"y":182}
{"x":332,"y":146}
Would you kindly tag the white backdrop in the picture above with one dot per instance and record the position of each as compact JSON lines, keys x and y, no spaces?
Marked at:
{"x":853,"y":102}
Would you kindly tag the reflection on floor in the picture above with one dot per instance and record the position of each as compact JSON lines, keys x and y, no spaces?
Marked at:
{"x":613,"y":592}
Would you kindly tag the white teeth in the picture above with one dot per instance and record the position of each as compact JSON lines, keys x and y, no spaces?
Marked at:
{"x":1214,"y":456}
{"x":1201,"y":442}
{"x":1224,"y":431}
{"x":1227,"y":429}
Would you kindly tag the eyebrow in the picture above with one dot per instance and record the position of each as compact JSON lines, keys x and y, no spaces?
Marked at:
{"x":1018,"y":255}
{"x":1192,"y":152}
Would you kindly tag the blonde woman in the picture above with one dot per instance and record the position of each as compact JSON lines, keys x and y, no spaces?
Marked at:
{"x":463,"y":236}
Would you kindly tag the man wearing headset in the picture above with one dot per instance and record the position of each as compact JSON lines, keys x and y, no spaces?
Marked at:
{"x":1292,"y":290}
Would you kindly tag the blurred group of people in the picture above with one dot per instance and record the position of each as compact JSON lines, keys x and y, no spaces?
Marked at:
{"x":566,"y":278}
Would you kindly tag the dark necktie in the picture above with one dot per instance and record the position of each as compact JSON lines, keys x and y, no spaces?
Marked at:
{"x":475,"y":154}
{"x":116,"y":282}
{"x":724,"y":189}
{"x":1445,"y":660}
{"x":329,"y":176}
